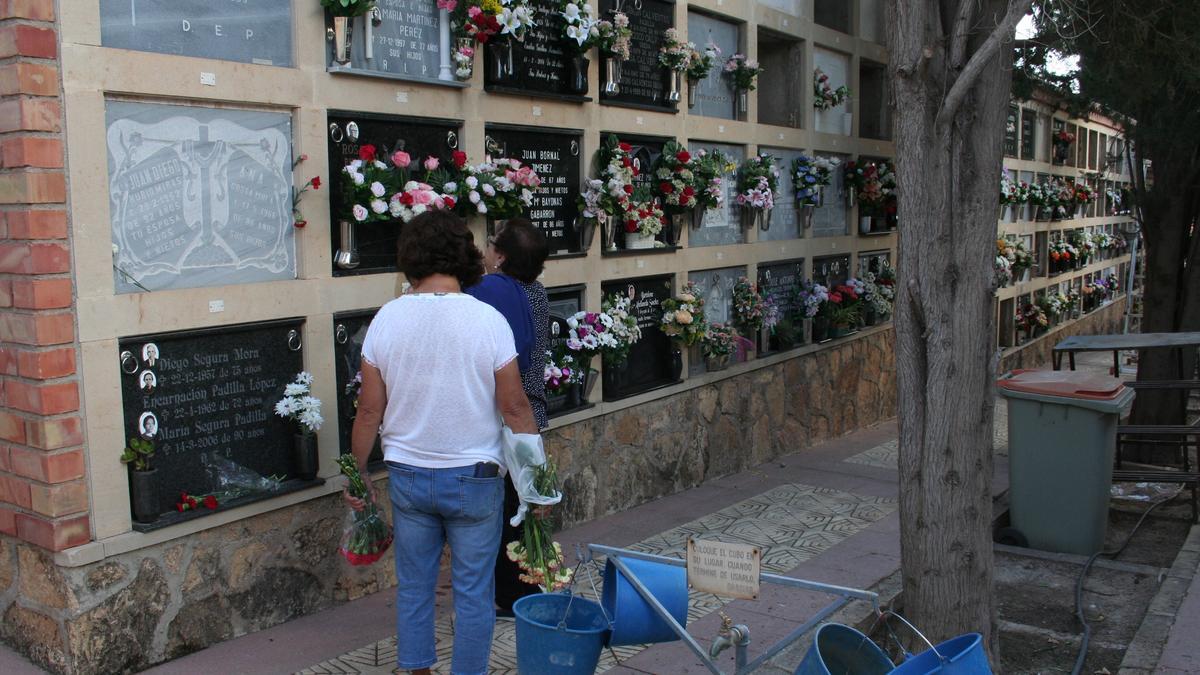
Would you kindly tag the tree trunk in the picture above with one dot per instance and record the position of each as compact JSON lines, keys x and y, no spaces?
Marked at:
{"x":948,"y":157}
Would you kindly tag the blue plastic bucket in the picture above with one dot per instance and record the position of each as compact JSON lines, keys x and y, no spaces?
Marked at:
{"x":839,"y":650}
{"x":964,"y":655}
{"x":634,"y":621}
{"x":545,"y":648}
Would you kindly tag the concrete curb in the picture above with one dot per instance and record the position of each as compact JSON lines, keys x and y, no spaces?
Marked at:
{"x":1145,"y":650}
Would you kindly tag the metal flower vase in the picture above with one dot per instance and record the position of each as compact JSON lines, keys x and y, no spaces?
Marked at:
{"x":743,"y":101}
{"x":305,"y":459}
{"x":693,"y":89}
{"x":612,"y":75}
{"x":674,"y":85}
{"x":346,"y":256}
{"x":577,"y":74}
{"x":675,"y":231}
{"x":764,"y":219}
{"x":608,"y":231}
{"x":587,"y":232}
{"x":806,"y":215}
{"x":698,"y":217}
{"x":341,"y":34}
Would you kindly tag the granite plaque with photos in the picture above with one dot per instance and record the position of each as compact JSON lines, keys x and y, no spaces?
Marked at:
{"x":781,"y":283}
{"x":831,"y":270}
{"x":349,"y":331}
{"x":563,"y":302}
{"x":199,"y":196}
{"x":652,"y":360}
{"x":716,"y":95}
{"x":211,"y":395}
{"x":556,"y":155}
{"x":347,"y":133}
{"x":643,"y":78}
{"x":644,"y":150}
{"x":250,"y":31}
{"x":406,"y":42}
{"x":721,"y":225}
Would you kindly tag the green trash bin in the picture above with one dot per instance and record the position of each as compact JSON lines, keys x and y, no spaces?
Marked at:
{"x":1062,"y":437}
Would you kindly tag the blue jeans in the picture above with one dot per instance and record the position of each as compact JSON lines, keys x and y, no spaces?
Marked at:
{"x":429,"y":507}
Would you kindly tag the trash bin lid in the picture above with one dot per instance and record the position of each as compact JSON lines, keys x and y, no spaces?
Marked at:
{"x":1064,"y":384}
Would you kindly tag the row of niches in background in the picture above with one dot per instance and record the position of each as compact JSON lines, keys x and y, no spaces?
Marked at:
{"x":205,"y":196}
{"x":1027,"y":258}
{"x":1029,"y":316}
{"x":416,"y":40}
{"x":206,"y":402}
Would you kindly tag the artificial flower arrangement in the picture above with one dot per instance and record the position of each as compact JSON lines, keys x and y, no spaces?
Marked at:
{"x":1002,"y":270}
{"x":478,"y":20}
{"x":874,"y":184}
{"x":683,"y":316}
{"x":675,"y":54}
{"x":644,"y":218}
{"x":813,"y":297}
{"x":1083,"y":193}
{"x":580,"y":27}
{"x":623,"y":328}
{"x":1063,"y":137}
{"x":824,"y":95}
{"x":1012,"y":192}
{"x":352,"y":390}
{"x":500,"y":188}
{"x":367,"y":535}
{"x":464,"y":60}
{"x":1031,"y":318}
{"x":878,"y":297}
{"x":709,"y":169}
{"x":300,"y":406}
{"x":701,"y":63}
{"x":843,"y":307}
{"x":539,"y":557}
{"x":720,"y":340}
{"x":1060,"y":251}
{"x":614,"y":37}
{"x":1113,"y":284}
{"x":749,"y":307}
{"x":1051,"y":305}
{"x":1072,"y":301}
{"x":561,"y":371}
{"x":743,"y":70}
{"x":1017,"y":255}
{"x":607,"y":196}
{"x":674,"y":179}
{"x":514,"y":17}
{"x":809,"y":175}
{"x":313,"y":183}
{"x":348,"y":7}
{"x":376,"y":190}
{"x":758,"y":181}
{"x":1102,"y":240}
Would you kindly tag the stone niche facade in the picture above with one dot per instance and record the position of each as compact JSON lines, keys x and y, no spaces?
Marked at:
{"x":1039,"y":353}
{"x":133,"y":610}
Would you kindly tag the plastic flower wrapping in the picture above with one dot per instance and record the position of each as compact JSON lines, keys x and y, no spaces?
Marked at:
{"x":367,"y":535}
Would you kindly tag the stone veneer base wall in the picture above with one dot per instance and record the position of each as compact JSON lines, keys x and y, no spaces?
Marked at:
{"x":143,"y":607}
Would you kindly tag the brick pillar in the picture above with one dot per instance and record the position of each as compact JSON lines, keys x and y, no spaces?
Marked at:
{"x":43,"y":495}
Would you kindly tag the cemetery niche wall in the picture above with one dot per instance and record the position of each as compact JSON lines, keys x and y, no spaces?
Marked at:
{"x":544,"y":64}
{"x":397,"y":39}
{"x":781,"y":283}
{"x":653,"y":361}
{"x":370,"y":247}
{"x":198,"y":196}
{"x":643,"y":80}
{"x":349,"y":331}
{"x":206,"y":400}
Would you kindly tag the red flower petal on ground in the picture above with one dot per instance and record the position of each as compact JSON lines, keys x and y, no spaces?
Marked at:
{"x":367,"y":153}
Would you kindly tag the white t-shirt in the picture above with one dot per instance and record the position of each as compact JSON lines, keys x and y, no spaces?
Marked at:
{"x":438,"y":354}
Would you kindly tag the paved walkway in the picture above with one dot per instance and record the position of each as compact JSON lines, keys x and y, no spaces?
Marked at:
{"x":825,"y":514}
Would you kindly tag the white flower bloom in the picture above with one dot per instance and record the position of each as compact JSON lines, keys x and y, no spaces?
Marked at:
{"x":295,"y":389}
{"x":311,"y":419}
{"x":377,"y":189}
{"x":450,"y":188}
{"x":360,"y":212}
{"x":482,"y":207}
{"x":359,"y":179}
{"x":379,"y":206}
{"x":284,"y":407}
{"x":418,"y":209}
{"x":473,"y":197}
{"x":305,"y":378}
{"x":472,"y":182}
{"x":395,"y":208}
{"x":356,"y":165}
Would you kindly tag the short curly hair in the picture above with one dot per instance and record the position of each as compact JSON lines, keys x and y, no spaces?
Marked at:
{"x":439,"y":242}
{"x":524,"y":248}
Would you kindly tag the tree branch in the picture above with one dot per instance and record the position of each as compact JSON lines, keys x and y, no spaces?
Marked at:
{"x":979,"y":60}
{"x":961,"y":31}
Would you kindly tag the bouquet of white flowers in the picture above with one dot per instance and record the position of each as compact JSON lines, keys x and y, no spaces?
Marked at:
{"x":300,"y":406}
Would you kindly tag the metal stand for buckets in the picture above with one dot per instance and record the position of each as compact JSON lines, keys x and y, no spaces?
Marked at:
{"x":844,"y":596}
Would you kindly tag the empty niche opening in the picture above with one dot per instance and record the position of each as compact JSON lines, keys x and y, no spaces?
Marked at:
{"x":874,"y":120}
{"x":780,"y":83}
{"x":833,"y":14}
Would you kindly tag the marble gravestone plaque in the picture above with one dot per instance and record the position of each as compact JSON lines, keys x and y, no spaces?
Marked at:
{"x":541,"y":62}
{"x":781,"y":283}
{"x":716,"y":97}
{"x":651,"y":362}
{"x":643,"y":78}
{"x":829,"y":220}
{"x":349,"y":331}
{"x":349,"y":131}
{"x":199,"y":196}
{"x":207,"y":394}
{"x":556,"y":156}
{"x":831,"y":270}
{"x":721,"y":225}
{"x":563,"y":302}
{"x":250,"y":31}
{"x":715,"y":287}
{"x":785,"y":217}
{"x":406,"y":42}
{"x":644,"y":151}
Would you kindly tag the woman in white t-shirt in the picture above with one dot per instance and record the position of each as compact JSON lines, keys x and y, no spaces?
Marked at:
{"x":439,"y":378}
